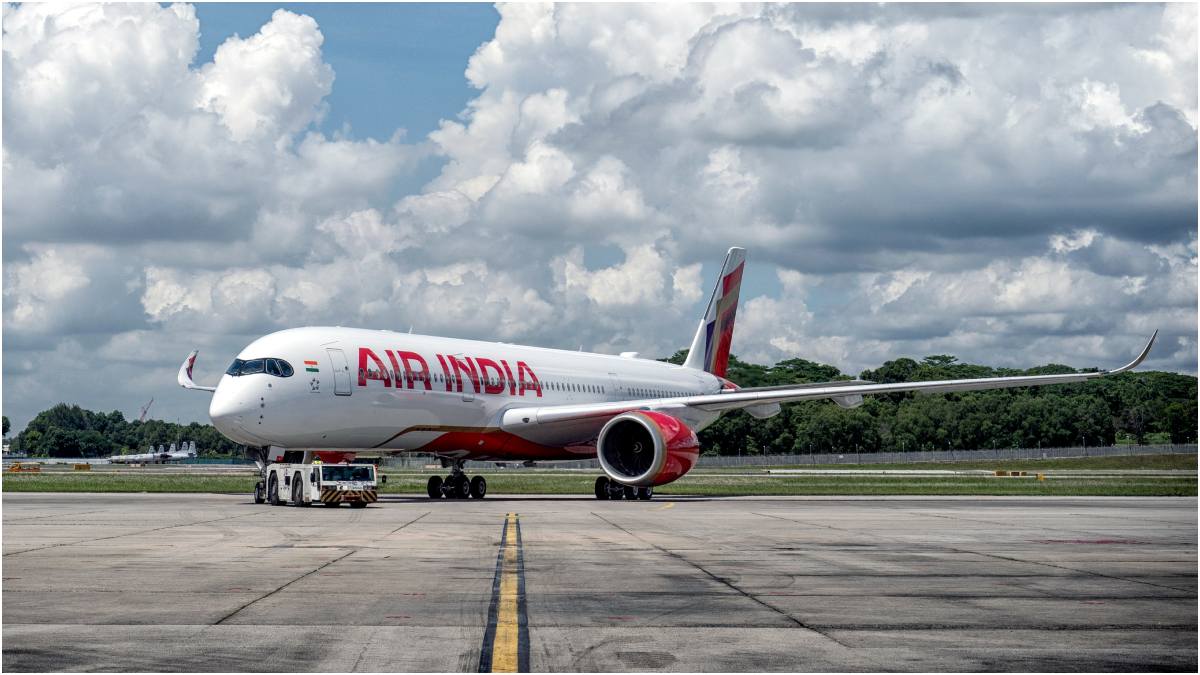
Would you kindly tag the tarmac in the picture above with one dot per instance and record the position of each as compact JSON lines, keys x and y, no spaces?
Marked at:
{"x":158,"y":582}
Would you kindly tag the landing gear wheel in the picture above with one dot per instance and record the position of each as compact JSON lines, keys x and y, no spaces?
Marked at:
{"x":615,"y":490}
{"x":645,"y":494}
{"x":273,"y":492}
{"x":602,"y":487}
{"x":358,"y":505}
{"x":260,"y":493}
{"x":630,"y":492}
{"x":434,"y":487}
{"x":478,"y":487}
{"x":457,"y":487}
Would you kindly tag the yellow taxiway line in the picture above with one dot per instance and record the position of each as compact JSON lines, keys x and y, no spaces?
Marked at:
{"x":506,"y":640}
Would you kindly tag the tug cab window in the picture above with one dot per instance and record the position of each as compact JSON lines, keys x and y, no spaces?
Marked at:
{"x":276,"y":367}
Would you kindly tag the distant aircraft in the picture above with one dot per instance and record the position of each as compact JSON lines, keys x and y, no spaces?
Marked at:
{"x":161,"y":456}
{"x":353,"y":391}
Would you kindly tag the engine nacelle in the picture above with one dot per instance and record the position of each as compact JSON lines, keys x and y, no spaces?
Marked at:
{"x":645,"y":448}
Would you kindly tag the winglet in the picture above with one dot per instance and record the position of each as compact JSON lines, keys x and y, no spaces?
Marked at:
{"x":1134,"y":363}
{"x":185,"y":373}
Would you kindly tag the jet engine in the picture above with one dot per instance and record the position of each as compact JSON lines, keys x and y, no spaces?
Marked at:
{"x":645,"y":448}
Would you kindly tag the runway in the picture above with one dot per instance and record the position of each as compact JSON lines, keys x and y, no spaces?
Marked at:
{"x":156,"y":582}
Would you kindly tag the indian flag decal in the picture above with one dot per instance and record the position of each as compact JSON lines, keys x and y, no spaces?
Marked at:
{"x":311,"y":366}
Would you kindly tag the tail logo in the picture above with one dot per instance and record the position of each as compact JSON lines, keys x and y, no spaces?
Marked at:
{"x":720,"y":326}
{"x":710,"y":346}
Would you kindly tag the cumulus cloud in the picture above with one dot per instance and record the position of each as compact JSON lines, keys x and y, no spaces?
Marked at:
{"x":273,"y":82}
{"x":113,"y":136}
{"x":1013,"y":184}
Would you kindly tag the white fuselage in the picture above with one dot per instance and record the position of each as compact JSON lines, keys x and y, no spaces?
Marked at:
{"x":354,"y":389}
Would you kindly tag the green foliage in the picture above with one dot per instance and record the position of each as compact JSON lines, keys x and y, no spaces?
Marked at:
{"x":1140,"y":406}
{"x":6,"y":425}
{"x":70,"y":431}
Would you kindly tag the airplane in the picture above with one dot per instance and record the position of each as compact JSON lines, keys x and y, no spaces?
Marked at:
{"x":336,"y":393}
{"x":162,"y":456}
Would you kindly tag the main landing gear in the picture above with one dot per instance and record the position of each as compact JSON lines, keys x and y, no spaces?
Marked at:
{"x":611,"y":489}
{"x":456,"y":485}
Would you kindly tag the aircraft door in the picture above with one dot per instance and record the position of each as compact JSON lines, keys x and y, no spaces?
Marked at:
{"x":617,"y":390}
{"x":464,"y":383}
{"x":341,"y":372}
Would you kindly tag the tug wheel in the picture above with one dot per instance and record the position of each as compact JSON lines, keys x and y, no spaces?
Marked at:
{"x":273,"y":491}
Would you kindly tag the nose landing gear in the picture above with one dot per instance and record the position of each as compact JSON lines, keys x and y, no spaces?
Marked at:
{"x":610,"y":489}
{"x":456,"y":485}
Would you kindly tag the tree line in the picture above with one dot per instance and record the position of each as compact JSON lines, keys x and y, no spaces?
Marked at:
{"x":1133,"y":407}
{"x":71,"y":431}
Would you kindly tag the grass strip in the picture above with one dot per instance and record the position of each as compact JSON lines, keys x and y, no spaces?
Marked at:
{"x":704,"y":484}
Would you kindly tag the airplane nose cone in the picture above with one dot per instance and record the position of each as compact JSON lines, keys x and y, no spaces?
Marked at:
{"x":226,"y":412}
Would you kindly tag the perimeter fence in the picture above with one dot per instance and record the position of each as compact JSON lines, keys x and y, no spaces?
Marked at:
{"x":716,"y":461}
{"x":945,"y":455}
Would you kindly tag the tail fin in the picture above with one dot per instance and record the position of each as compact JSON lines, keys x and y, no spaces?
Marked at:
{"x":710,"y":347}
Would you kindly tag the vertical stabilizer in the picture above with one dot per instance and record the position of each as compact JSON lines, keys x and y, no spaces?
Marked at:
{"x":710,"y":347}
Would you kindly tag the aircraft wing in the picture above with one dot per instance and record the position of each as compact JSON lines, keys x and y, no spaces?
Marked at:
{"x":517,"y":418}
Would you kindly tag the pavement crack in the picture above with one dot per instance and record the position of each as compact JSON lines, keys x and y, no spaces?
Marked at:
{"x":996,"y":556}
{"x":127,"y":534}
{"x":1004,"y":524}
{"x":302,"y":576}
{"x":727,"y":583}
{"x":407,"y":524}
{"x":53,"y":515}
{"x":366,"y":643}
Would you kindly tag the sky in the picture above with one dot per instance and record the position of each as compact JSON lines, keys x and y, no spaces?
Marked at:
{"x":1011,"y":184}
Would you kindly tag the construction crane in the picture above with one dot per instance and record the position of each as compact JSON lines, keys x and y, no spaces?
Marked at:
{"x":146,"y":409}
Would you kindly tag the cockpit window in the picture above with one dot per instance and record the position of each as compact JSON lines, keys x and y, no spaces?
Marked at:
{"x":276,"y":367}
